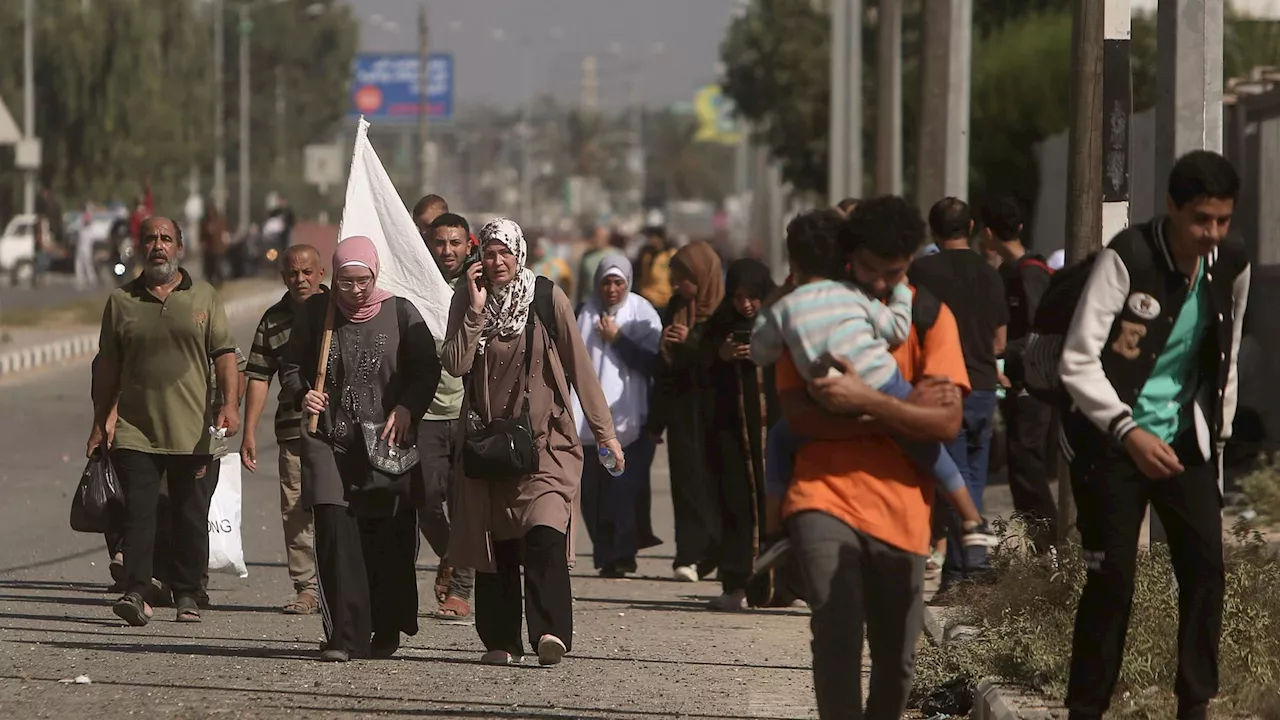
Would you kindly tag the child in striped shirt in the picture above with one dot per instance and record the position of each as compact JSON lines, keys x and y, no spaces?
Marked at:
{"x":823,"y":319}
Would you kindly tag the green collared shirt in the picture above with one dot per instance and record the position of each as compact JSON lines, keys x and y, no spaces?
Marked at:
{"x":1164,"y":405}
{"x":447,"y":404}
{"x":163,"y":351}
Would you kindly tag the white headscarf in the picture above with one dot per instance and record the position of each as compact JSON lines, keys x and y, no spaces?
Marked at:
{"x":507,"y":309}
{"x":625,"y":388}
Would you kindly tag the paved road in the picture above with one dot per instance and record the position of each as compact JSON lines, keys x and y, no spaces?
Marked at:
{"x":54,"y":290}
{"x":645,"y":648}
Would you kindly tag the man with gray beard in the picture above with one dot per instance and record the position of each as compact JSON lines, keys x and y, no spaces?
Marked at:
{"x":159,"y":335}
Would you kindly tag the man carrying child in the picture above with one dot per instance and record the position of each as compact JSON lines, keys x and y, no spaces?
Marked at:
{"x":857,"y":508}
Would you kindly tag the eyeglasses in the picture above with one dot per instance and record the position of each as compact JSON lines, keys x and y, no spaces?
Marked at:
{"x":361,"y":284}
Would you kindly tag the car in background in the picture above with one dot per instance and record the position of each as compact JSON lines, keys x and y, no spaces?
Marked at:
{"x":17,"y":249}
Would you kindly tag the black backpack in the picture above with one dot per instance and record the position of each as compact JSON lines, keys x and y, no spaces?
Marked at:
{"x":544,"y":305}
{"x":1033,"y":360}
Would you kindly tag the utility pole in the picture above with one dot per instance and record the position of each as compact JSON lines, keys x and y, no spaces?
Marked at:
{"x":219,"y":109}
{"x":1188,"y":83}
{"x":1189,"y":37}
{"x":29,"y":100}
{"x":889,"y":97}
{"x":1084,"y":179}
{"x":943,"y":161}
{"x":837,"y":152}
{"x":424,"y":107}
{"x":853,"y":104}
{"x":1117,"y":117}
{"x":246,"y":27}
{"x":278,"y":165}
{"x":930,"y":179}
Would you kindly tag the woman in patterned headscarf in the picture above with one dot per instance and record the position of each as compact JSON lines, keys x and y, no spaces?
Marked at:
{"x":502,"y":347}
{"x":682,"y":404}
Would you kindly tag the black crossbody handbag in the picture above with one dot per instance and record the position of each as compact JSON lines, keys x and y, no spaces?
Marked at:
{"x":503,"y":450}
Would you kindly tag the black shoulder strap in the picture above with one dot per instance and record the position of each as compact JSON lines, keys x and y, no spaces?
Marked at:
{"x":544,"y":305}
{"x":925,"y":308}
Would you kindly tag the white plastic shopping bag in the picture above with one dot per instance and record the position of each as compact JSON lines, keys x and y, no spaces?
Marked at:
{"x":226,"y":551}
{"x":374,"y":209}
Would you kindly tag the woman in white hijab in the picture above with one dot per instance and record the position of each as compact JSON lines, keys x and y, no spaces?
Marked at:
{"x":622,"y":331}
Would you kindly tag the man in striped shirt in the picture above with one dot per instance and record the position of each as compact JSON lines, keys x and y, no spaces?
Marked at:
{"x":302,"y":272}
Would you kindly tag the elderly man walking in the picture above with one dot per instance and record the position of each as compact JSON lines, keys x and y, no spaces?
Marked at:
{"x":302,"y":273}
{"x":159,"y":334}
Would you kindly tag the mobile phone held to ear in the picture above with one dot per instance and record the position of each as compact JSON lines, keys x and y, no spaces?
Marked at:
{"x":825,"y":366}
{"x":473,"y":257}
{"x":742,"y":337}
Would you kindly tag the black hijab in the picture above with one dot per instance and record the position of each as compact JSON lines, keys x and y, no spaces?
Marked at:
{"x":751,"y":276}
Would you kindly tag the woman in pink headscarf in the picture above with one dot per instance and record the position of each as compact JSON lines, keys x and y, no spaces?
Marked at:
{"x":380,"y":378}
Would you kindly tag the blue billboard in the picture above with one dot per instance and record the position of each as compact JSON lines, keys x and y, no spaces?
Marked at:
{"x":384,"y":86}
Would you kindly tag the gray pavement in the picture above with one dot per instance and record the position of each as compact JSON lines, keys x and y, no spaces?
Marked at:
{"x":644,"y":648}
{"x":55,"y":289}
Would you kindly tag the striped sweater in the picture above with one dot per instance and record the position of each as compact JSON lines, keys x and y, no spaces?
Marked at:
{"x":837,"y":318}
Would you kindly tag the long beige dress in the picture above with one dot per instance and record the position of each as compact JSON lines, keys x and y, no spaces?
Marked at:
{"x":489,"y":511}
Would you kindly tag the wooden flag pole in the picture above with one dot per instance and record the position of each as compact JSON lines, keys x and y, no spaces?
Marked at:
{"x":322,"y":368}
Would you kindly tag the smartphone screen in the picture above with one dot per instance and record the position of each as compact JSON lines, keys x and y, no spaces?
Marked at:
{"x":742,"y":337}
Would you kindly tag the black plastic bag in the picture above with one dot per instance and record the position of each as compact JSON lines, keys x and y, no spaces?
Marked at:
{"x":99,"y":501}
{"x":955,"y":697}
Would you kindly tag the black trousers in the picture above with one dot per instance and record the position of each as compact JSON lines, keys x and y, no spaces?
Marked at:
{"x":1111,"y":497}
{"x":162,"y":559}
{"x":191,"y":482}
{"x":548,"y":597}
{"x":365,"y":572}
{"x":1027,"y":427}
{"x":693,"y":489}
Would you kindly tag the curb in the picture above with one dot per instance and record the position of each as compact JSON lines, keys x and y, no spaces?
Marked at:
{"x":70,"y":348}
{"x":987,"y":702}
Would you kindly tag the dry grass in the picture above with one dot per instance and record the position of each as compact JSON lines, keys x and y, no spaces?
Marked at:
{"x":1262,"y":488}
{"x":1027,"y":615}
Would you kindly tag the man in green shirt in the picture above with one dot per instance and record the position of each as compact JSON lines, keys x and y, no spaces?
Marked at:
{"x":449,"y":242}
{"x":159,"y":334}
{"x":302,"y":272}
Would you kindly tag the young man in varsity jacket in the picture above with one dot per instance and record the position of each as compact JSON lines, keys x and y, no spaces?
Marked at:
{"x":1150,"y":364}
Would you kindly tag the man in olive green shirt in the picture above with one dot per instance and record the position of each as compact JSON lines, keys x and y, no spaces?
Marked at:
{"x":159,"y":334}
{"x":449,"y":242}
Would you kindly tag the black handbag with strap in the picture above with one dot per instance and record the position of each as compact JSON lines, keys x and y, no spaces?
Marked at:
{"x":503,"y":450}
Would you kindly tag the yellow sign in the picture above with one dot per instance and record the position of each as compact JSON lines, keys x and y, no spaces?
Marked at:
{"x":716,"y":120}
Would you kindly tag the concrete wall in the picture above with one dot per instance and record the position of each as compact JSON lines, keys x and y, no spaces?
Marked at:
{"x":1049,"y":219}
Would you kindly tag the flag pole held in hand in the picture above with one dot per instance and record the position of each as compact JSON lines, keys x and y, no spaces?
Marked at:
{"x":322,"y":368}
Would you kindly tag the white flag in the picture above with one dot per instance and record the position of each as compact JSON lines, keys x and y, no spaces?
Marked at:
{"x":374,"y":209}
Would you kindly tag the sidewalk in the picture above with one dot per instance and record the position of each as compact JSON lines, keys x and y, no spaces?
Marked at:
{"x":27,"y":347}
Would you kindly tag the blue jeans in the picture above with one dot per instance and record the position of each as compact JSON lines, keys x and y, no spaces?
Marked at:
{"x":930,"y":458}
{"x":971,"y":451}
{"x":780,"y":450}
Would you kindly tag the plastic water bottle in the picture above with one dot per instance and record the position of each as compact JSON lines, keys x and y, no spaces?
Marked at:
{"x":609,"y":462}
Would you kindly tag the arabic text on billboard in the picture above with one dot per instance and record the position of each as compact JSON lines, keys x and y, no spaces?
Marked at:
{"x":385,"y":86}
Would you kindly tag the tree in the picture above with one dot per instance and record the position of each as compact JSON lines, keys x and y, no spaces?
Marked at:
{"x":680,"y":167}
{"x":124,"y":88}
{"x":777,"y":72}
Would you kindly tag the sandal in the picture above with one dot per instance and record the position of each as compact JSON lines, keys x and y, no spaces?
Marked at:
{"x":306,"y":603}
{"x":453,"y":608}
{"x":132,"y":609}
{"x":444,"y":576}
{"x":188,"y":610}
